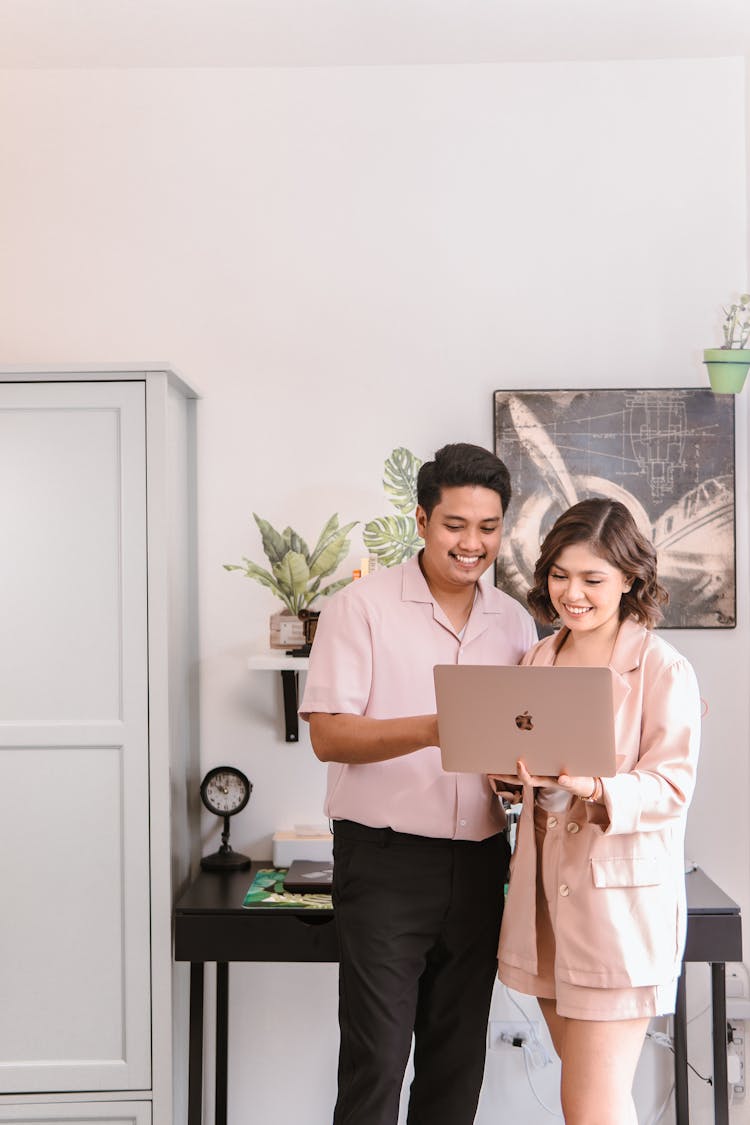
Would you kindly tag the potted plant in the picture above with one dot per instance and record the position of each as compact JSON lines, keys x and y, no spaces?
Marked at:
{"x":728,"y":365}
{"x":296,"y":575}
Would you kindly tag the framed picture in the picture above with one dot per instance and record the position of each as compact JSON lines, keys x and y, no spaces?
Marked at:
{"x":668,"y":454}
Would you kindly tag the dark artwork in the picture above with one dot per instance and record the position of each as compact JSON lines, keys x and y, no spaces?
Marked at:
{"x":667,"y":454}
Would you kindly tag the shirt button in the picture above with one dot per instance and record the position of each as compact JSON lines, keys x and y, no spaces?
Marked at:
{"x":462,"y":823}
{"x":552,"y":822}
{"x":572,"y":827}
{"x":564,"y":890}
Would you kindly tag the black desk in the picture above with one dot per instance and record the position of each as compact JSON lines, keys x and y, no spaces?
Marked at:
{"x":714,"y":935}
{"x":212,"y":925}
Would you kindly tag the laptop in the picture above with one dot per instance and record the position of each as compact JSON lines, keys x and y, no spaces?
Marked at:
{"x":309,"y":876}
{"x":559,"y":720}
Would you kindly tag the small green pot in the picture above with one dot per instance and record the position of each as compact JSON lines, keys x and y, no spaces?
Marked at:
{"x":727,"y":369}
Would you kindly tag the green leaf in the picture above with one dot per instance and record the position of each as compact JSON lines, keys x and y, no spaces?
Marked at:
{"x":332,"y":554}
{"x":295,"y":542}
{"x":293,"y":574}
{"x":252,"y":570}
{"x":392,"y":539}
{"x":400,"y":481}
{"x":274,"y":545}
{"x":329,"y":532}
{"x":332,"y":587}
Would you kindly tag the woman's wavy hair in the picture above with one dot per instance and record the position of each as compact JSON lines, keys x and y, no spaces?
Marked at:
{"x":611,"y":532}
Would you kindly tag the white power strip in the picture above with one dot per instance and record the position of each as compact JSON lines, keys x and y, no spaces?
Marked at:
{"x":736,"y":1059}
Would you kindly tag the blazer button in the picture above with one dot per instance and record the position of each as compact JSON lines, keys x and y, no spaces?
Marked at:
{"x":552,"y":822}
{"x":572,"y":827}
{"x":564,"y":890}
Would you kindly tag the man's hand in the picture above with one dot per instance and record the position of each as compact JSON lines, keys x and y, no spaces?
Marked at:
{"x":507,"y":786}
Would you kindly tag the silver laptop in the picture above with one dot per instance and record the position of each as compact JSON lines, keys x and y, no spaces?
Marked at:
{"x":559,"y":720}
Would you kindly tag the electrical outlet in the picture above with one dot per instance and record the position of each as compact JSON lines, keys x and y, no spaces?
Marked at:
{"x":736,"y":1059}
{"x":511,"y":1029}
{"x":735,"y":982}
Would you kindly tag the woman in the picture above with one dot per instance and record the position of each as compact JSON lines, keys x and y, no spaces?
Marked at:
{"x":595,"y":920}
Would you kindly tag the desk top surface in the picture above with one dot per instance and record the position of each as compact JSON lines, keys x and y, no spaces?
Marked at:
{"x":216,"y":892}
{"x":705,"y":897}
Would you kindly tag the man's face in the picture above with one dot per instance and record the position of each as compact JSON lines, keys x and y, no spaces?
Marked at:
{"x":462,"y":536}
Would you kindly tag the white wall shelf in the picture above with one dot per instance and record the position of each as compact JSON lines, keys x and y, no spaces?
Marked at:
{"x":277,"y":662}
{"x":290,"y":667}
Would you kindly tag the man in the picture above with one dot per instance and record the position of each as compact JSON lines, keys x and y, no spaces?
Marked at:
{"x":420,"y":856}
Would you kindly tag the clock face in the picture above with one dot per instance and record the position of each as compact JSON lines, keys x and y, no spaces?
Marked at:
{"x":225,"y":790}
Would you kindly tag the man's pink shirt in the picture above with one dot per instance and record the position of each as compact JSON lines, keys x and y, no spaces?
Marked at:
{"x":376,"y":644}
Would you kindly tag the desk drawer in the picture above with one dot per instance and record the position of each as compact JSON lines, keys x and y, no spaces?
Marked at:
{"x":255,"y":937}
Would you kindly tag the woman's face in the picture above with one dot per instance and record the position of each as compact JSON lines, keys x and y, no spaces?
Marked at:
{"x":586,"y":590}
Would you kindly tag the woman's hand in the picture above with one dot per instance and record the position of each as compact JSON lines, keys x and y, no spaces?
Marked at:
{"x":579,"y":786}
{"x":585,"y":787}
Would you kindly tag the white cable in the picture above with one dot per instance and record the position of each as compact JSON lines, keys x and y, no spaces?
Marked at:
{"x":700,"y":1013}
{"x":546,"y":1108}
{"x":542,"y":1054}
{"x":663,"y":1108}
{"x":661,"y":1039}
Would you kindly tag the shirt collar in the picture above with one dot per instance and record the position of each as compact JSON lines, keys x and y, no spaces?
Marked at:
{"x":414,"y":588}
{"x":626,"y":654}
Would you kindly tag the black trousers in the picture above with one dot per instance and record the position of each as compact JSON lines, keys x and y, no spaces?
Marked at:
{"x":418,"y":922}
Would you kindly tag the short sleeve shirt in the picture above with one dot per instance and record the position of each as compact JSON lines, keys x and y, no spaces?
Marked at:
{"x":376,"y":644}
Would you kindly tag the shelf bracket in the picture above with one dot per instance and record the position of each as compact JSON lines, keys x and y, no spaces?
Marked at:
{"x":290,"y":688}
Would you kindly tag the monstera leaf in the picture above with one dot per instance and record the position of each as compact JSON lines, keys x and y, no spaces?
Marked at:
{"x":400,"y":481}
{"x":392,"y":539}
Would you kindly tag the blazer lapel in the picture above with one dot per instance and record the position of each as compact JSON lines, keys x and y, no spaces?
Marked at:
{"x":626,"y":657}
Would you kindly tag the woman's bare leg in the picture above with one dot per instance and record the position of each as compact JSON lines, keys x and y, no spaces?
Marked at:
{"x":598,"y":1066}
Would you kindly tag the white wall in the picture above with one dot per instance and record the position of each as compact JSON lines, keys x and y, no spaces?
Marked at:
{"x":347,"y":260}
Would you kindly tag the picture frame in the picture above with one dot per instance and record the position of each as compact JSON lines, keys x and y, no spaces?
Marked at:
{"x":667,"y":453}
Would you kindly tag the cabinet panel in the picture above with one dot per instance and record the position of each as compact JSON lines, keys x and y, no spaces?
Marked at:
{"x":74,"y":821}
{"x":72,"y":479}
{"x":94,"y":1113}
{"x":61,"y":943}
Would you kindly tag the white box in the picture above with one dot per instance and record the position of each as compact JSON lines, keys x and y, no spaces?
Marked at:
{"x":289,"y":845}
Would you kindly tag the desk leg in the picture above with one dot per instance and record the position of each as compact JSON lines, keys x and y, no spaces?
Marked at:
{"x":290,"y":687}
{"x":222,"y":1021}
{"x":719,"y":1008}
{"x":195,"y":1057}
{"x":682,"y":1109}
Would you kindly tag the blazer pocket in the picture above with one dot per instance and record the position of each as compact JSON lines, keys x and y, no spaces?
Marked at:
{"x":628,"y":871}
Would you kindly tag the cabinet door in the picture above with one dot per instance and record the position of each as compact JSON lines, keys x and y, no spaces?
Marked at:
{"x":74,"y":876}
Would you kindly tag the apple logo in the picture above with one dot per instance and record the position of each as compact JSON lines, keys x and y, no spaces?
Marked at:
{"x":524,"y":722}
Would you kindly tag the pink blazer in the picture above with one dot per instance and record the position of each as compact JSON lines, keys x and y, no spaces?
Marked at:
{"x":622,"y":914}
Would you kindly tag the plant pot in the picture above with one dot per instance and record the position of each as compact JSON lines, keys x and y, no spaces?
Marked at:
{"x":286,"y":630}
{"x":727,"y":369}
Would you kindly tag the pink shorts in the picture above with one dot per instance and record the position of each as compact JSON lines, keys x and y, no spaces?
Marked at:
{"x":575,"y":1000}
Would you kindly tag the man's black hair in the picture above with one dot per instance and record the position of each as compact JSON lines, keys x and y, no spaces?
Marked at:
{"x":458,"y":465}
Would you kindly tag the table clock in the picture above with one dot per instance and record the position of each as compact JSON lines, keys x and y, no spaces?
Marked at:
{"x":225,"y":791}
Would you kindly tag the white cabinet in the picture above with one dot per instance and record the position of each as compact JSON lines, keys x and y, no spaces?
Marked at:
{"x":98,"y":739}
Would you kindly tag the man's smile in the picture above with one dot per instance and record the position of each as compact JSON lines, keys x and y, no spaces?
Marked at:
{"x":467,"y":560}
